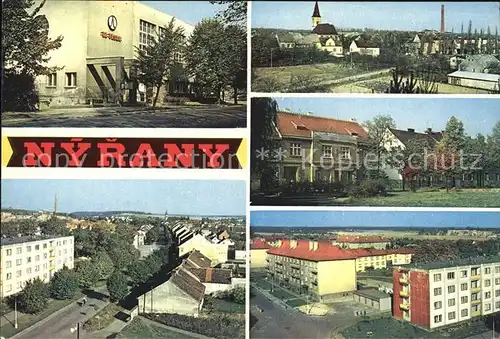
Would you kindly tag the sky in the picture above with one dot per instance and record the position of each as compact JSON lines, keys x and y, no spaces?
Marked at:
{"x":184,"y":197}
{"x":190,"y":12}
{"x":397,"y":15}
{"x":374,"y":218}
{"x":478,"y":115}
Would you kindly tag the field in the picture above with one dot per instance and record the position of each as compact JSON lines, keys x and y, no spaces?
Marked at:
{"x":139,"y":329}
{"x":380,"y":83}
{"x":319,"y":74}
{"x":440,"y":198}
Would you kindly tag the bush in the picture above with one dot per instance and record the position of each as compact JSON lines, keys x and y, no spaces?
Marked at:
{"x":18,"y":93}
{"x":215,"y":327}
{"x":65,"y":283}
{"x":369,"y":188}
{"x":176,"y":100}
{"x":34,"y":297}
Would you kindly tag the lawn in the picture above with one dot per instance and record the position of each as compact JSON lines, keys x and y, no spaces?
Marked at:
{"x":319,"y":73}
{"x":103,"y":318}
{"x":391,"y":328}
{"x":440,"y":198}
{"x":366,"y":86}
{"x":225,"y":306}
{"x":138,"y":329}
{"x":265,"y":285}
{"x":26,"y":320}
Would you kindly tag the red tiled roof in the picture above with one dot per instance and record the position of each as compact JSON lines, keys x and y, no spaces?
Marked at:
{"x":212,"y":275}
{"x":259,"y":244}
{"x":360,"y":239}
{"x":297,"y":125}
{"x":325,"y":251}
{"x":197,"y":259}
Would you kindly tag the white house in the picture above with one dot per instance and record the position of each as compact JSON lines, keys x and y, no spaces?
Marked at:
{"x":483,"y":81}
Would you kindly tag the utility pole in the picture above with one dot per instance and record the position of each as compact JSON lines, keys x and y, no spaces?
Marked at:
{"x":272,"y":57}
{"x":15,"y":312}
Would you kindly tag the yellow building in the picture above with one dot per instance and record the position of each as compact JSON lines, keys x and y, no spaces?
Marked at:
{"x":369,"y":259}
{"x":312,"y":268}
{"x":217,"y":252}
{"x":258,"y":253}
{"x":100,"y":41}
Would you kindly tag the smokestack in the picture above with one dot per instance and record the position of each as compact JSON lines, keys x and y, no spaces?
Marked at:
{"x":442,"y":19}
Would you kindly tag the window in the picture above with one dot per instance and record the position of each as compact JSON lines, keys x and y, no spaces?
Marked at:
{"x":464,"y":299}
{"x":37,"y":268}
{"x":474,"y":296}
{"x":28,"y":270}
{"x":345,"y":152}
{"x":487,"y":283}
{"x":9,"y":288}
{"x":9,"y":252}
{"x":438,"y":305}
{"x":497,"y":293}
{"x":463,"y":287}
{"x":37,"y":258}
{"x":65,"y":251}
{"x":497,"y":269}
{"x":28,"y":248}
{"x":497,"y":304}
{"x":147,"y":32}
{"x":487,"y":295}
{"x":9,"y":276}
{"x":437,"y":277}
{"x":487,"y":270}
{"x":475,"y":308}
{"x":475,"y":284}
{"x":487,"y":307}
{"x":327,"y":151}
{"x":18,"y":273}
{"x":451,"y":289}
{"x":463,"y":274}
{"x":295,"y":149}
{"x":475,"y":271}
{"x":19,"y":250}
{"x":438,"y":291}
{"x":37,"y":247}
{"x":451,"y":315}
{"x":45,"y":255}
{"x":70,"y":82}
{"x":464,"y":312}
{"x":451,"y":275}
{"x":52,"y":80}
{"x":19,"y":285}
{"x":18,"y":262}
{"x":45,"y":266}
{"x":64,"y":242}
{"x":178,"y":57}
{"x":438,"y":318}
{"x":8,"y":264}
{"x":451,"y":302}
{"x":45,"y":245}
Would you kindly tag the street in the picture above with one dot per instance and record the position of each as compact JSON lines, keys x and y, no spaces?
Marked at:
{"x":60,"y":326}
{"x":205,"y":116}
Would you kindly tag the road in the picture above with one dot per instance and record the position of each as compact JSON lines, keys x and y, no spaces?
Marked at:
{"x":206,"y":116}
{"x":309,"y":200}
{"x":60,"y":326}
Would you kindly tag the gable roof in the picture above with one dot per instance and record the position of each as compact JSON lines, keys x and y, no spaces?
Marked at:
{"x":197,"y":259}
{"x":187,"y":283}
{"x":297,"y":125}
{"x":212,"y":275}
{"x":316,"y":11}
{"x":362,"y":43}
{"x":406,"y":136}
{"x":325,"y":29}
{"x":476,"y":76}
{"x":259,"y":244}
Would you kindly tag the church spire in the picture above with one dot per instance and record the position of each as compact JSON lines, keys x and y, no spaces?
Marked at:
{"x":316,"y":17}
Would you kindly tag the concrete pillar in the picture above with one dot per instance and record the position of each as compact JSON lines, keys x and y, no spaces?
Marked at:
{"x":119,"y":67}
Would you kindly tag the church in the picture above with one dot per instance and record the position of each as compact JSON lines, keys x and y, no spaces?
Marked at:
{"x":323,"y":35}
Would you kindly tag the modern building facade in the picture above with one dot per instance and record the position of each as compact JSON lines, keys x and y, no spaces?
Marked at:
{"x":26,"y":258}
{"x":100,"y":41}
{"x":319,"y":149}
{"x":444,"y":293}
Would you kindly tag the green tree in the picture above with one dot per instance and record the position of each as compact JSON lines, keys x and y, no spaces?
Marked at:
{"x":493,"y":147}
{"x":236,"y":54}
{"x":235,"y":11}
{"x":263,"y":140}
{"x":154,"y":263}
{"x":28,"y":226}
{"x":117,"y":286}
{"x":121,"y":253}
{"x":139,"y":272}
{"x":34,"y":297}
{"x":104,"y":264}
{"x":156,"y":61}
{"x":54,"y":226}
{"x":239,"y":295}
{"x":377,"y":132}
{"x":88,"y":273}
{"x":152,"y":236}
{"x":64,"y":284}
{"x":25,"y":46}
{"x":450,"y":150}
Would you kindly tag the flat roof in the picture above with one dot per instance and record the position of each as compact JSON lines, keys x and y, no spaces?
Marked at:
{"x":453,"y":263}
{"x":372,"y":294}
{"x":27,"y":238}
{"x":475,"y":75}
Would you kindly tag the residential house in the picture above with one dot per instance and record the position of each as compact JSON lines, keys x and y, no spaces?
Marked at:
{"x":319,"y":149}
{"x":483,"y":81}
{"x":364,"y":47}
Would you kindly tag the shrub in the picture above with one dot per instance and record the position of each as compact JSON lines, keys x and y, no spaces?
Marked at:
{"x":369,"y":188}
{"x":65,"y":283}
{"x":34,"y":297}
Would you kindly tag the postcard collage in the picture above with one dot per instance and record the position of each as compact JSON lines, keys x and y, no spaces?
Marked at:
{"x":250,"y":169}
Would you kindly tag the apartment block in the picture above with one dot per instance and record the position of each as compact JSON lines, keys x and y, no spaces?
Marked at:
{"x":444,"y":293}
{"x":26,"y":258}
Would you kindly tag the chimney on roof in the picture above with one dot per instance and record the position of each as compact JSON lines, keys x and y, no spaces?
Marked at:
{"x":293,"y":243}
{"x":429,"y":130}
{"x":412,"y":130}
{"x":208,"y":274}
{"x":442,"y":19}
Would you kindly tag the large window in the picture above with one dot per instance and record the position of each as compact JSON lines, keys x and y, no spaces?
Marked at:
{"x":295,"y":149}
{"x":147,"y":33}
{"x":70,"y":82}
{"x":52,"y":80}
{"x":327,"y":151}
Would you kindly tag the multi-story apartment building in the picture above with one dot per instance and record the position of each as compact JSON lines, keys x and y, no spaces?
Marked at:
{"x":370,"y":259}
{"x":258,"y":253}
{"x":26,"y":258}
{"x":319,"y":149}
{"x":443,"y":293}
{"x":360,"y":241}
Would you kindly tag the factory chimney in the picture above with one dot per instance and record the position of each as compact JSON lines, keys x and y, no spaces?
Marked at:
{"x":442,"y":19}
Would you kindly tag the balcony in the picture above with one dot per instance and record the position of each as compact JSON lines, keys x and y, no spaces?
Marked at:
{"x":404,"y":293}
{"x":52,"y":267}
{"x":404,"y":280}
{"x":404,"y":307}
{"x":314,"y":272}
{"x":476,"y":301}
{"x":475,"y":288}
{"x":315,"y":283}
{"x":279,"y":264}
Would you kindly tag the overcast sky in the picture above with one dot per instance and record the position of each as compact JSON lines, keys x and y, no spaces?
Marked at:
{"x":478,"y":115}
{"x":374,"y":219}
{"x":185,"y":197}
{"x":397,"y":15}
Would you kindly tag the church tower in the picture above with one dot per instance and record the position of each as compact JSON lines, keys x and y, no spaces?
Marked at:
{"x":316,"y":17}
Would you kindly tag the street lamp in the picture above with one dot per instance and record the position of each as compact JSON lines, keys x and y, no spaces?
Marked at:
{"x":15,"y":312}
{"x":272,"y":57}
{"x":76,"y":329}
